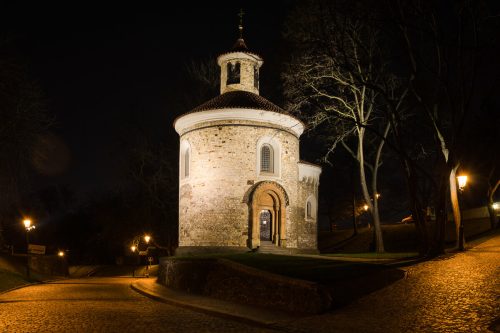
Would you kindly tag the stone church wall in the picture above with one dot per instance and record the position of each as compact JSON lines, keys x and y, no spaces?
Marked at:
{"x":223,"y":168}
{"x":307,"y":227}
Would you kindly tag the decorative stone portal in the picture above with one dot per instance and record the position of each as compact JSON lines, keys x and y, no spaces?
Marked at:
{"x":268,"y":218}
{"x":265,"y":225}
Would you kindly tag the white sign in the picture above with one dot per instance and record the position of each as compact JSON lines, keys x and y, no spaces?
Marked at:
{"x":36,"y":249}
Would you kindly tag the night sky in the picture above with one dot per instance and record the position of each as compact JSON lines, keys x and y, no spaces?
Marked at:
{"x":107,"y":70}
{"x":111,"y":74}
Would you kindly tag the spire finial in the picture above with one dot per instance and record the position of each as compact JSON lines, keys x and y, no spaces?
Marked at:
{"x":240,"y":26}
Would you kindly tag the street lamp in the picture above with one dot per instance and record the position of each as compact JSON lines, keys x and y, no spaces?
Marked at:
{"x":60,"y":254}
{"x":147,"y":238}
{"x":462,"y":182}
{"x":28,"y":226}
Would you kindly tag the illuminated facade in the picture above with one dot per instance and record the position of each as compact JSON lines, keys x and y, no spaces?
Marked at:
{"x":241,"y":182}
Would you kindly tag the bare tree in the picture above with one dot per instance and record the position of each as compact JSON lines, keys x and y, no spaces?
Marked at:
{"x":153,"y":169}
{"x":202,"y":82}
{"x":326,"y":83}
{"x":443,"y":50}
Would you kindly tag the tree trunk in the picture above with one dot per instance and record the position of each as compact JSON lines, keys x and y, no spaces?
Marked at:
{"x":437,"y":246}
{"x":491,"y":210}
{"x":353,"y":189}
{"x":373,"y":207}
{"x":416,"y":209}
{"x":455,"y":205}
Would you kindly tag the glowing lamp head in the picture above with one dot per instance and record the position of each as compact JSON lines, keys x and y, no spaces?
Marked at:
{"x":27,"y":223}
{"x":60,"y":253}
{"x":496,"y":206}
{"x":133,"y":248}
{"x":147,"y":238}
{"x":377,"y":195}
{"x":462,"y":181}
{"x":365,"y":207}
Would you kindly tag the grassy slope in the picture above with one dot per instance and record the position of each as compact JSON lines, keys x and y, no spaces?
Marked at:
{"x":11,"y":272}
{"x":324,"y":271}
{"x":9,"y":280}
{"x":397,"y":239}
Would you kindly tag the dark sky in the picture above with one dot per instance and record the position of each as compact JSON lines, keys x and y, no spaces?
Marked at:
{"x":104,"y":69}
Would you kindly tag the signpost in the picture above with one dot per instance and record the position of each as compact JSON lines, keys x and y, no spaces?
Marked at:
{"x":36,"y":249}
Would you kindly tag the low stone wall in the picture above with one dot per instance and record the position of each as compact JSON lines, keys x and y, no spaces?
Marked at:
{"x":472,"y":227}
{"x":51,"y":265}
{"x":234,"y":282}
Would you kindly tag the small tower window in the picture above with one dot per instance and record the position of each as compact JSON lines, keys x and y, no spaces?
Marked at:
{"x":233,"y":73}
{"x":309,"y":209}
{"x":266,"y":159}
{"x":256,"y":77}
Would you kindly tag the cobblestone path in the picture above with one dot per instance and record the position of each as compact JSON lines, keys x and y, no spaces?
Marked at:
{"x":101,"y":305}
{"x":457,"y":293}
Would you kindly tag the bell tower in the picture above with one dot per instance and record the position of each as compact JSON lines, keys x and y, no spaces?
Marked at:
{"x":239,"y":67}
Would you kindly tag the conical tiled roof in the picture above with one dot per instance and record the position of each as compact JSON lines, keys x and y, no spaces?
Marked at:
{"x":239,"y":99}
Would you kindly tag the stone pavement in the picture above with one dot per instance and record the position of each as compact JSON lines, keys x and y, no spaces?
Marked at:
{"x":244,"y":313}
{"x":102,"y":305}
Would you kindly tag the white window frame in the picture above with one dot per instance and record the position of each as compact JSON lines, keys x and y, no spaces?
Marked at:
{"x":311,"y":200}
{"x":185,"y":151}
{"x":275,"y":146}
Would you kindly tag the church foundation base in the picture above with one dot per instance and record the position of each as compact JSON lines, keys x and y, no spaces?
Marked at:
{"x":303,"y":251}
{"x":194,"y":250}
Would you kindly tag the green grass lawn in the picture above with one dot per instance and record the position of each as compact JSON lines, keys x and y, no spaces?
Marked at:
{"x":324,"y":271}
{"x":374,"y":255}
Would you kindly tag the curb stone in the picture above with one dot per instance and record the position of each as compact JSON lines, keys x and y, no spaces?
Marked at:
{"x":205,"y":309}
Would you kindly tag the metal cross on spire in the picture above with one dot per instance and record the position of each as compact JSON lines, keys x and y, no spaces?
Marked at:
{"x":240,"y":26}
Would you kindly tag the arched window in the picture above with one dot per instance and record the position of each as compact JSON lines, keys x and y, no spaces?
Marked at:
{"x":233,"y":73}
{"x":309,"y":209}
{"x":268,"y":152}
{"x":185,"y":160}
{"x":266,"y":159}
{"x":256,"y":77}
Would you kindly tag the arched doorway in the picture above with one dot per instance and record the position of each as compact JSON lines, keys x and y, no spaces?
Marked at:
{"x":265,"y":222}
{"x":268,"y":217}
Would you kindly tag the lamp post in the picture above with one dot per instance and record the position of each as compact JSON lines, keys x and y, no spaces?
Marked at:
{"x":136,"y":247}
{"x":133,"y":248}
{"x":462,"y":182}
{"x":28,"y":227}
{"x":147,"y":238}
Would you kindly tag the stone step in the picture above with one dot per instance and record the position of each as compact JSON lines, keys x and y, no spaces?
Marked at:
{"x":269,"y":247}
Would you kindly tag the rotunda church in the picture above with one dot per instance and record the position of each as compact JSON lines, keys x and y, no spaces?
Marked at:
{"x":242,"y":185}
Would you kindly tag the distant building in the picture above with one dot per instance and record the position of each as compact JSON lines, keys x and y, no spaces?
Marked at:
{"x":241,"y":182}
